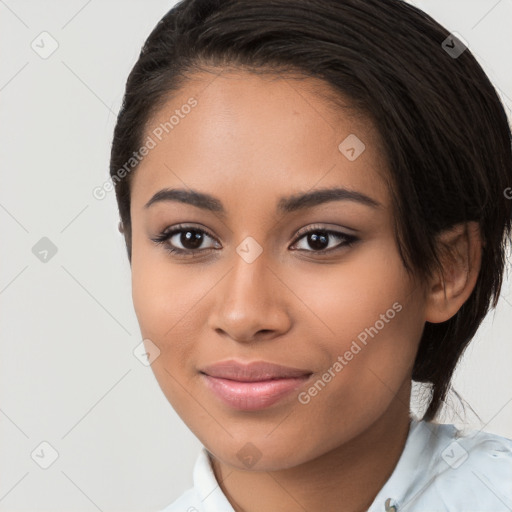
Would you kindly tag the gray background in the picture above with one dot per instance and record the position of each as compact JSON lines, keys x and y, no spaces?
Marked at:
{"x":68,"y":375}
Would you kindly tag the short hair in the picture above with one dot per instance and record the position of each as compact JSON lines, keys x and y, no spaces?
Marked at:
{"x":445,"y":133}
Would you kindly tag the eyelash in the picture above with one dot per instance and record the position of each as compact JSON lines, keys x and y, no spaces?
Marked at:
{"x":164,"y":236}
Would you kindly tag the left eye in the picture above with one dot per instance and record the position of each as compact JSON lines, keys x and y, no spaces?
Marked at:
{"x":320,"y":240}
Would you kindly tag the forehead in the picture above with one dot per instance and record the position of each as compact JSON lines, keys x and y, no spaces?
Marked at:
{"x":250,"y":135}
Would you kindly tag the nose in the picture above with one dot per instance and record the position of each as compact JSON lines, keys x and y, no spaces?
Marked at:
{"x":251,"y":302}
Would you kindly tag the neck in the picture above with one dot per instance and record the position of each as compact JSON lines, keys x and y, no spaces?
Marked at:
{"x":347,"y":478}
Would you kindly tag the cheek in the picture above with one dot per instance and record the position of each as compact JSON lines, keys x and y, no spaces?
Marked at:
{"x":156,"y":294}
{"x":151,"y":297}
{"x":169,"y":302}
{"x":164,"y":307}
{"x":344,"y":299}
{"x":369,"y":313}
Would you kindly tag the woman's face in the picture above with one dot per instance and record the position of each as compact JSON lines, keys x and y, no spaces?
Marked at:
{"x":254,"y":285}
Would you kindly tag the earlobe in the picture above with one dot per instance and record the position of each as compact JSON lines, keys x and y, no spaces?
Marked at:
{"x":460,"y":255}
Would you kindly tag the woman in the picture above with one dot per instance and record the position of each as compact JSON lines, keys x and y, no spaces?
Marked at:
{"x":313,"y":198}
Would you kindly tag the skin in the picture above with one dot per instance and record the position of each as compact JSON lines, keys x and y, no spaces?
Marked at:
{"x":249,"y":141}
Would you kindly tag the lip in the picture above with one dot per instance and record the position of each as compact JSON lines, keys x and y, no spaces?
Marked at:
{"x":252,"y":386}
{"x":253,"y":371}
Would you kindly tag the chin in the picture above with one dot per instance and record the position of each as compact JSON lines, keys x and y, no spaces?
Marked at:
{"x":253,"y":454}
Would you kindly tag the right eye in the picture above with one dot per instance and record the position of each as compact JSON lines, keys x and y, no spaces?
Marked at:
{"x":190,"y":238}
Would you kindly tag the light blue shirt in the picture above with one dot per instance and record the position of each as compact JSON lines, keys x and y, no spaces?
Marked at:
{"x":440,"y":470}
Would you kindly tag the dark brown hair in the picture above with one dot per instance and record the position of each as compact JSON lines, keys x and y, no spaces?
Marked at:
{"x":444,"y":129}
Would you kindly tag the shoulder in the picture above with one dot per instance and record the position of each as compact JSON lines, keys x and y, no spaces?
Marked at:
{"x":473,"y":450}
{"x":443,"y":468}
{"x":470,"y":469}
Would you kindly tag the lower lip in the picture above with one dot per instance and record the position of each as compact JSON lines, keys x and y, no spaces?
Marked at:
{"x":252,"y":396}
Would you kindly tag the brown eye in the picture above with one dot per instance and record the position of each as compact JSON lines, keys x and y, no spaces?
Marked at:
{"x":318,"y":240}
{"x":184,"y":240}
{"x":321,"y":240}
{"x":190,"y":238}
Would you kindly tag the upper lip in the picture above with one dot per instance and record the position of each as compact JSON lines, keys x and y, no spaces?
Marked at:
{"x":253,"y":371}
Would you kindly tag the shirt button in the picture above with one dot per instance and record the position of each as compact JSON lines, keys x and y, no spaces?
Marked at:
{"x":391,"y":505}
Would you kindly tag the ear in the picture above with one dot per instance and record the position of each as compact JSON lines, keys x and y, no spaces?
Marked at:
{"x":461,"y":257}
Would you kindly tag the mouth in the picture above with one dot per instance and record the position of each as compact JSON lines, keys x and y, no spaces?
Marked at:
{"x":252,"y":386}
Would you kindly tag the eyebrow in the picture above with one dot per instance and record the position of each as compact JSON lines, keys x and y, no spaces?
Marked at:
{"x":290,"y":204}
